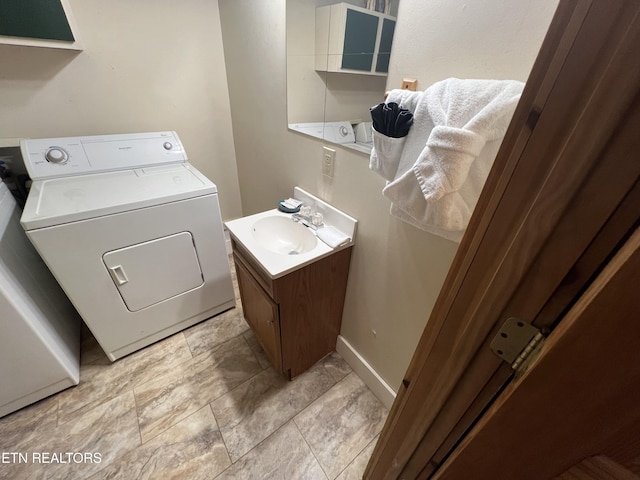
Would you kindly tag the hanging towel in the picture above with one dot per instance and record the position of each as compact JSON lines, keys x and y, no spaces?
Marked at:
{"x":435,"y":180}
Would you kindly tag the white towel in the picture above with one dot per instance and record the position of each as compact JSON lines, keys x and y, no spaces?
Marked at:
{"x":332,"y":236}
{"x":385,"y":155}
{"x":457,"y":131}
{"x":387,"y":152}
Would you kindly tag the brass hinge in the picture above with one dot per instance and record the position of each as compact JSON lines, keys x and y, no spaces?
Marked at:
{"x":518,"y":343}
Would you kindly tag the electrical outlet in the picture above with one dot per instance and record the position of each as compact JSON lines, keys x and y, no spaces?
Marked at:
{"x":328,"y":160}
{"x":409,"y":84}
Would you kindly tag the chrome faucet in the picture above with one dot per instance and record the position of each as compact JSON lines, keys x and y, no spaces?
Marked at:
{"x":308,"y":217}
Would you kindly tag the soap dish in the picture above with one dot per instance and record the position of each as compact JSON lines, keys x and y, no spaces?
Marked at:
{"x":283,"y":208}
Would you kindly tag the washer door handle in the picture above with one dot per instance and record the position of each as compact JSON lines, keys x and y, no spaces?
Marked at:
{"x":118,"y":275}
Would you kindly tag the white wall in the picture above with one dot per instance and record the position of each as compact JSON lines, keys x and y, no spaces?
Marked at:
{"x":349,"y":97}
{"x":306,"y":86}
{"x":147,"y":65}
{"x":492,"y":39}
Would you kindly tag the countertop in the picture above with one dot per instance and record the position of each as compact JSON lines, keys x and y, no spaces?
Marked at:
{"x":275,"y":264}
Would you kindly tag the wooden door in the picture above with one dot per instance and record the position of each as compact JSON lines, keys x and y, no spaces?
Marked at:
{"x":563,"y":194}
{"x":580,"y":399}
{"x":598,"y":467}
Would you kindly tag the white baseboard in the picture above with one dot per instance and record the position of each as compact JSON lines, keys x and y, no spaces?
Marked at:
{"x":369,"y":376}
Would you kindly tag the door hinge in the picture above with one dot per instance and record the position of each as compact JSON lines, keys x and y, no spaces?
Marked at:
{"x":518,"y":343}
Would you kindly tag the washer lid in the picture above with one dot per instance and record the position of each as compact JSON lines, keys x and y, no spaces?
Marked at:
{"x":63,"y":200}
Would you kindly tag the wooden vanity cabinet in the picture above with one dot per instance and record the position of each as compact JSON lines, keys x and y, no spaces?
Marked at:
{"x":296,"y":317}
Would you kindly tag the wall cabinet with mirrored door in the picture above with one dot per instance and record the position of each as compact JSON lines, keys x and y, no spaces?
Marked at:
{"x":350,"y":39}
{"x":338,"y":56}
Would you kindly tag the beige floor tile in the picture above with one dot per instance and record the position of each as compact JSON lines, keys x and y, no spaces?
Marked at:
{"x":189,"y":386}
{"x":199,"y":400}
{"x":192,"y":449}
{"x":30,"y":422}
{"x":336,"y":366}
{"x":104,"y":433}
{"x":258,"y":407}
{"x":255,"y":346}
{"x":207,"y":336}
{"x":341,"y":423}
{"x":283,"y":455}
{"x":103,"y":380}
{"x":355,"y":470}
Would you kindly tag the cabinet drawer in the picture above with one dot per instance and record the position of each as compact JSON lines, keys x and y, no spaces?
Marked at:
{"x":240,"y":255}
{"x":262,"y":313}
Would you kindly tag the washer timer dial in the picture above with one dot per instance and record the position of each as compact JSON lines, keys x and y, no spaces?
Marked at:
{"x":56,"y":155}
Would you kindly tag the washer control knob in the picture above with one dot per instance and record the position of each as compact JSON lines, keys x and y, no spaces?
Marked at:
{"x":167,"y":146}
{"x":56,"y":155}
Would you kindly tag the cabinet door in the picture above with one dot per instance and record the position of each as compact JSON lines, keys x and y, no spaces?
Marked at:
{"x":360,"y":35}
{"x":262,"y":314}
{"x":384,"y":51}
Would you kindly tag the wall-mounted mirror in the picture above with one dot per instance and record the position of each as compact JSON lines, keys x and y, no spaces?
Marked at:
{"x":337,"y":61}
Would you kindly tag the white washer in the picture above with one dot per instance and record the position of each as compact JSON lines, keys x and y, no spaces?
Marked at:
{"x":336,"y":132}
{"x":131,"y":231}
{"x":40,"y":330}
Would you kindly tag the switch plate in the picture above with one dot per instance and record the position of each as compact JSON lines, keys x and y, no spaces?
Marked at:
{"x":328,"y":160}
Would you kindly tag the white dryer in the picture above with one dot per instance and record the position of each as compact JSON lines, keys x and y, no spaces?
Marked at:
{"x":131,"y":231}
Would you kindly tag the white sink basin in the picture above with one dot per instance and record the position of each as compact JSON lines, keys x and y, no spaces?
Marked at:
{"x":280,"y":245}
{"x":282,"y":235}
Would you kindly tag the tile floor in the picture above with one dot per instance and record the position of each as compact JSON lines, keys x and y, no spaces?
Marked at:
{"x":203,"y":403}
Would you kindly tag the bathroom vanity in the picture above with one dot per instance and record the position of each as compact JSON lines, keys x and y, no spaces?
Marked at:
{"x":293,"y":302}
